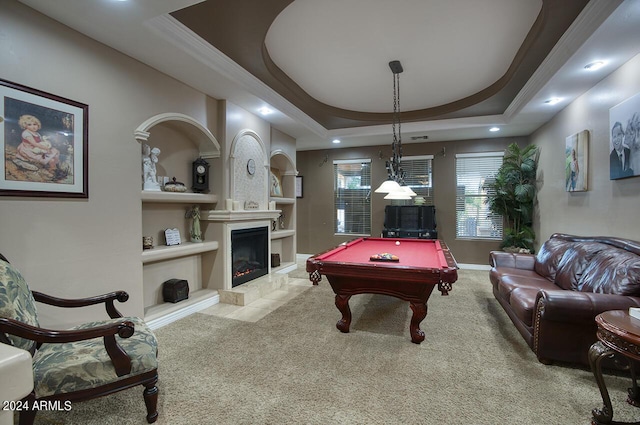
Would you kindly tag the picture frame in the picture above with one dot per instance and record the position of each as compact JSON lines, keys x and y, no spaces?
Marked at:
{"x":172,"y":237}
{"x":577,"y":162}
{"x":275,"y":183}
{"x":299,"y":187}
{"x":44,"y":144}
{"x":624,"y":137}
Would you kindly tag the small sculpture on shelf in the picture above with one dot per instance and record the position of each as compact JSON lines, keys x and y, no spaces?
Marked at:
{"x":194,"y":215}
{"x":281,"y":220}
{"x":149,"y":161}
{"x":175,"y":186}
{"x":147,"y":242}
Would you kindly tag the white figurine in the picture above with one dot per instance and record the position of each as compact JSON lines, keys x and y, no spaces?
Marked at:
{"x":149,"y":160}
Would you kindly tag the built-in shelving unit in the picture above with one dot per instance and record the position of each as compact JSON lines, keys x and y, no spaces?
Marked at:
{"x":181,"y":140}
{"x":279,"y":234}
{"x":178,"y":197}
{"x":162,"y":314}
{"x":283,"y":238}
{"x":160,"y":253}
{"x":284,"y":201}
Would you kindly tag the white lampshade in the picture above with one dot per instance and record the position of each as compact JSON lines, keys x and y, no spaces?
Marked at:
{"x":388,"y":186}
{"x":409,"y":191}
{"x":398,"y":194}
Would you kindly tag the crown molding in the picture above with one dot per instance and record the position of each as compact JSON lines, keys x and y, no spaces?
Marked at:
{"x":591,"y":17}
{"x":182,"y":37}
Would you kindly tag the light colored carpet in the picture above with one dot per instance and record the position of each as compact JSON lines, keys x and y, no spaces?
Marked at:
{"x":294,"y":367}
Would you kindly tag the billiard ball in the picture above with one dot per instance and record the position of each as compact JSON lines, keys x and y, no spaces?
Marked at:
{"x":397,"y":242}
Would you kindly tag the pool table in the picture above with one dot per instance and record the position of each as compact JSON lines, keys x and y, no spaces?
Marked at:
{"x":417,"y":266}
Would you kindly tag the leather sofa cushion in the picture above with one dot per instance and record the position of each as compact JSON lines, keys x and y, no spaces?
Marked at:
{"x":509,"y":283}
{"x":523,"y":304}
{"x":498,"y":273}
{"x":549,"y":256}
{"x":613,"y":271}
{"x":574,"y":261}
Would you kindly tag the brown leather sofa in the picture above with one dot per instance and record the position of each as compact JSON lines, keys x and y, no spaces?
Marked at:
{"x":554,"y":296}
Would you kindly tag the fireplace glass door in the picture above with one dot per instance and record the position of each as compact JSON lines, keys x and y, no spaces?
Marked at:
{"x":249,"y":254}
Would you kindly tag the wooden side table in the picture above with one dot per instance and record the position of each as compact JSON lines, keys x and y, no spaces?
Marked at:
{"x":618,"y":333}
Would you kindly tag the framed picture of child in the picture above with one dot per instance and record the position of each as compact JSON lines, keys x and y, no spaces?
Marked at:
{"x":44,"y":144}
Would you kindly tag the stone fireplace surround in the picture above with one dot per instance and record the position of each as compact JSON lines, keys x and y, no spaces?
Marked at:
{"x":238,"y":220}
{"x":244,"y":188}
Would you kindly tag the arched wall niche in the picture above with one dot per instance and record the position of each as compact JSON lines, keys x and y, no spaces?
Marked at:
{"x":184,"y":124}
{"x":283,"y":161}
{"x":247,"y":145}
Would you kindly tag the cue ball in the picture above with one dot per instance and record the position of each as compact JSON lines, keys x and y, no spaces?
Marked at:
{"x":397,"y":242}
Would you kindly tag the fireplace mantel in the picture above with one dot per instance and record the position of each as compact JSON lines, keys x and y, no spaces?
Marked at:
{"x":242,"y":215}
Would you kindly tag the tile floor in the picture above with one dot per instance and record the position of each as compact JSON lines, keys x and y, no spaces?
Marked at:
{"x":261,"y":307}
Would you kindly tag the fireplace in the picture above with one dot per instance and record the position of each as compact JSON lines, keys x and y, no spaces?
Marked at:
{"x":249,"y":254}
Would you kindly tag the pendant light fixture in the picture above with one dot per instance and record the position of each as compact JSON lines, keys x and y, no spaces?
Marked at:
{"x":394,"y":186}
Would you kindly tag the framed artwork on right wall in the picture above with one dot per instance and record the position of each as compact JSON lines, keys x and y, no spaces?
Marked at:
{"x":624,"y":149}
{"x":576,"y":161}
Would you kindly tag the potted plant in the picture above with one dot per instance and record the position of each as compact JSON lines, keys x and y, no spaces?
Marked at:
{"x":512,"y":194}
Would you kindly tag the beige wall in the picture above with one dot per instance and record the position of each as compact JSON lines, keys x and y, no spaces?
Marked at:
{"x":76,"y":248}
{"x":609,"y":207}
{"x":315,"y":210}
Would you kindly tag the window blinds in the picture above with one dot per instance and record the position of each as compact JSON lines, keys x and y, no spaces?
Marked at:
{"x":473,"y":218}
{"x":352,"y":200}
{"x":419,"y":176}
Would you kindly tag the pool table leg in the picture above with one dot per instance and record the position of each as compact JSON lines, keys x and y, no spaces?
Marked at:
{"x":419,"y":313}
{"x":315,"y":277}
{"x":342,"y":302}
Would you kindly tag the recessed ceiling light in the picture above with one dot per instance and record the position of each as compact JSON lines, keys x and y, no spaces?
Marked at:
{"x":336,"y":141}
{"x":265,"y":111}
{"x":594,"y":65}
{"x":494,"y":129}
{"x":553,"y":101}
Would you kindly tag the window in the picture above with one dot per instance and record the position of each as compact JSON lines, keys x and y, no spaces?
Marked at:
{"x":352,"y":189}
{"x":473,"y":218}
{"x":419,"y":177}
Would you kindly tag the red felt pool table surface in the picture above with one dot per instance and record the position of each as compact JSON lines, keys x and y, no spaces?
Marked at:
{"x":422,"y":265}
{"x":415,"y":253}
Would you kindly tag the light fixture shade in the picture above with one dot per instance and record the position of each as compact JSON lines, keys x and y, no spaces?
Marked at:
{"x":409,"y":191}
{"x":398,"y":194}
{"x":388,"y":186}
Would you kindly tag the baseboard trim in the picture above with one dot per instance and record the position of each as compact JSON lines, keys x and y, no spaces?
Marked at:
{"x":474,"y":266}
{"x":179,"y":314}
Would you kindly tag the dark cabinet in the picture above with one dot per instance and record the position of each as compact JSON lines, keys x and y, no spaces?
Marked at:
{"x":410,"y":221}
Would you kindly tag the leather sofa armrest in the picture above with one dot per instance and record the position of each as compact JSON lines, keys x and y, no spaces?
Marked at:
{"x":579,"y":307}
{"x":513,"y":260}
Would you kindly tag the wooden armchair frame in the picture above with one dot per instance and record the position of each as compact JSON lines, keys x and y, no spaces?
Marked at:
{"x":121,"y":361}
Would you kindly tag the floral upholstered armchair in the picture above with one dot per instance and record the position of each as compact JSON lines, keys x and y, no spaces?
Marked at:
{"x":82,"y":363}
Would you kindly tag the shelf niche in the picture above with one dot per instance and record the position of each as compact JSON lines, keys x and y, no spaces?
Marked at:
{"x":283,"y":240}
{"x":181,"y":139}
{"x":191,"y":129}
